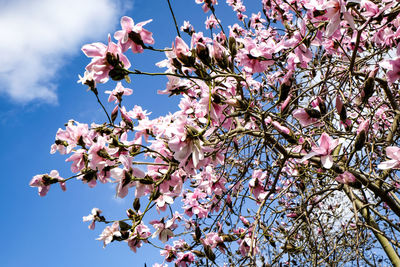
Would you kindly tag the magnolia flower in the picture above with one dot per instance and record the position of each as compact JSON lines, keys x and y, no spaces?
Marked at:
{"x":117,"y":93}
{"x":164,"y":231}
{"x":304,"y":117}
{"x":133,"y":36}
{"x":43,"y":182}
{"x":393,"y":153}
{"x":109,"y":232}
{"x":325,"y":148}
{"x":94,"y":216}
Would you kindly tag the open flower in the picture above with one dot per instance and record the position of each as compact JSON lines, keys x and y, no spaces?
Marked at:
{"x":393,"y":153}
{"x":93,"y":217}
{"x":104,"y":59}
{"x":133,"y":36}
{"x":325,"y":148}
{"x":43,"y":182}
{"x":109,"y":232}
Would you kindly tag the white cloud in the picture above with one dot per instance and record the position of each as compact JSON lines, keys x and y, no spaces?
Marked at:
{"x":36,"y":36}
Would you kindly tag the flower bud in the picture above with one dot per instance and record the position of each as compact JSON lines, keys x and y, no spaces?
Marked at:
{"x":369,"y":85}
{"x":114,"y":114}
{"x":232,"y":46}
{"x":203,"y":53}
{"x":209,"y":253}
{"x":284,"y":90}
{"x":361,"y":135}
{"x":136,"y":204}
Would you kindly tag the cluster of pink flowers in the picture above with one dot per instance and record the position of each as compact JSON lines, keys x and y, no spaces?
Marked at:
{"x":252,"y":106}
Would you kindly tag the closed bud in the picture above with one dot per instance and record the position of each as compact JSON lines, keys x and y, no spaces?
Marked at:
{"x":136,"y":204}
{"x":229,"y":238}
{"x":203,"y":53}
{"x":368,"y":89}
{"x":155,"y":194}
{"x":209,"y":253}
{"x":360,"y":140}
{"x":114,"y":114}
{"x":322,"y":108}
{"x":284,"y":90}
{"x":343,"y":114}
{"x":130,"y":213}
{"x":197,"y":233}
{"x":232,"y":46}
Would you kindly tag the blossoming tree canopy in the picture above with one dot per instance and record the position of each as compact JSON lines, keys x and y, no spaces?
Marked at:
{"x":284,"y":149}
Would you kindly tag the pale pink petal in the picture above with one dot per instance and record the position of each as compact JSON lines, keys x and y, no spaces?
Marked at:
{"x":94,"y":50}
{"x":127,"y":23}
{"x":393,"y":152}
{"x":327,"y":161}
{"x":333,"y":25}
{"x":389,"y":164}
{"x":349,"y":18}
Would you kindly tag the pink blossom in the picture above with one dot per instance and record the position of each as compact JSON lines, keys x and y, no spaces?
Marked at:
{"x":78,"y":160}
{"x":212,"y":240}
{"x":207,"y":4}
{"x":118,"y":92}
{"x":108,"y":234}
{"x":164,"y":231}
{"x":371,"y":9}
{"x":133,"y":36}
{"x":304,"y":118}
{"x":104,"y":59}
{"x":335,"y":10}
{"x":140,"y":234}
{"x":184,"y":259}
{"x":138,"y":113}
{"x":192,"y":205}
{"x":257,"y":184}
{"x":346,"y":178}
{"x":99,"y":153}
{"x":393,"y":67}
{"x":125,"y":179}
{"x":393,"y":153}
{"x":87,"y":79}
{"x":75,"y":134}
{"x":325,"y":148}
{"x":211,"y":22}
{"x":163,"y":201}
{"x":187,"y":27}
{"x":256,"y":57}
{"x":43,"y":182}
{"x":93,"y":217}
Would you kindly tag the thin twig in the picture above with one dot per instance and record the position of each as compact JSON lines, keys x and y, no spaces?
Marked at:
{"x":173,"y":16}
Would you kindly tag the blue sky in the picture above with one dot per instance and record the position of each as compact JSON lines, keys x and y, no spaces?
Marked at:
{"x":41,"y":59}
